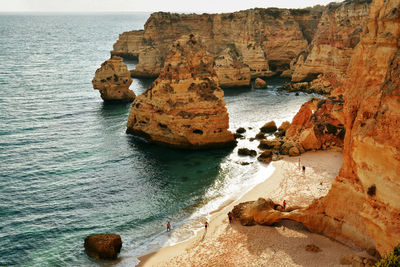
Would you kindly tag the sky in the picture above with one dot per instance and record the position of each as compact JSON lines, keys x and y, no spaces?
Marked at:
{"x":195,"y":6}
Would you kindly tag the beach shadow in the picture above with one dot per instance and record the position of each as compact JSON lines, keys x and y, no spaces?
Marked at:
{"x":287,"y":237}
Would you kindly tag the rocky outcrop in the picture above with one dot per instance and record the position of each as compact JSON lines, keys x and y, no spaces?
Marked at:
{"x":368,"y":183}
{"x":260,"y":84}
{"x":259,"y":42}
{"x":319,"y":124}
{"x":103,"y":246}
{"x":184,"y":107}
{"x":113,"y":80}
{"x":362,"y":206}
{"x":338,"y":32}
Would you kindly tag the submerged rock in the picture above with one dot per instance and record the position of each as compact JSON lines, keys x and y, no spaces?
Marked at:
{"x":247,"y":152}
{"x":113,"y":80}
{"x":103,"y":246}
{"x":184,"y":107}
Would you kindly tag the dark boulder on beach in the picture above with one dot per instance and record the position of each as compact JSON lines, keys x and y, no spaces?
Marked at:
{"x":103,"y":246}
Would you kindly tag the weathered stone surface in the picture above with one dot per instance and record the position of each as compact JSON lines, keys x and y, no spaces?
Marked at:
{"x":270,"y":144}
{"x":266,"y":156}
{"x":260,"y":84}
{"x":371,"y":155}
{"x":103,"y":246}
{"x":184,"y":107}
{"x":294,"y":151}
{"x":338,"y":32}
{"x":242,"y":42}
{"x":269,"y":127}
{"x":319,"y":124}
{"x":113,"y":80}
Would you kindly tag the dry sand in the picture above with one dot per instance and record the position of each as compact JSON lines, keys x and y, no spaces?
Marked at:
{"x":225,"y":244}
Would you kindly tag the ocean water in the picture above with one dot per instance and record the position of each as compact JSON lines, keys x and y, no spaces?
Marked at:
{"x":67,"y":168}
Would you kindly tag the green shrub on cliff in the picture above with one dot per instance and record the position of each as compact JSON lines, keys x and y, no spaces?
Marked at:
{"x":392,"y":259}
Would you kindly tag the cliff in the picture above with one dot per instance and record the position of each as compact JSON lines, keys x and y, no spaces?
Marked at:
{"x":256,"y":41}
{"x":184,"y":107}
{"x":368,"y":185}
{"x":338,"y":32}
{"x":363,"y":205}
{"x":113,"y":79}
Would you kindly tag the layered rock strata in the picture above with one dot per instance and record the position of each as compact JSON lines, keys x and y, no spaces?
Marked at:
{"x":184,"y":107}
{"x":368,"y":184}
{"x":363,"y":205}
{"x":113,"y":80}
{"x":338,"y":32}
{"x":259,"y":41}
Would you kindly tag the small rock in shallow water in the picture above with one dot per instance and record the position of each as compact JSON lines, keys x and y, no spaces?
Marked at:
{"x":103,"y":246}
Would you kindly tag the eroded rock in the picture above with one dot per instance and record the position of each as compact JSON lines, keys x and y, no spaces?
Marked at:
{"x":103,"y":246}
{"x":113,"y":80}
{"x":184,"y":107}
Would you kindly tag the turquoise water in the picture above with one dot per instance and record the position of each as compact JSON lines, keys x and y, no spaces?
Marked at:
{"x":67,"y":168}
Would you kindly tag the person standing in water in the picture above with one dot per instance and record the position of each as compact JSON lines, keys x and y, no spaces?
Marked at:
{"x":168,"y":227}
{"x":206,"y":225}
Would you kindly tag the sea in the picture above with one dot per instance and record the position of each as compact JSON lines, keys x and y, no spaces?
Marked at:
{"x":69,"y":170}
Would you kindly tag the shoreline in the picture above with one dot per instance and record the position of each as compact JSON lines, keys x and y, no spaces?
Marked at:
{"x":216,"y":246}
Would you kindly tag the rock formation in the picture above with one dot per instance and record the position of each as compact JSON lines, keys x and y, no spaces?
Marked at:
{"x":367,"y":188}
{"x":103,"y":246}
{"x":255,"y":42}
{"x":363,"y":205}
{"x":113,"y":80}
{"x":319,"y":124}
{"x":184,"y":107}
{"x":338,"y":32}
{"x":260,"y":84}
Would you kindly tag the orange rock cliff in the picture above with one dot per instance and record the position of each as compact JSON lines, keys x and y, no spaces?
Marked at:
{"x":363,"y":205}
{"x":184,"y":107}
{"x":250,"y":43}
{"x":338,"y":32}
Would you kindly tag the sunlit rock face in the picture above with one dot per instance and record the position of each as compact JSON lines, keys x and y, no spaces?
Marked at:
{"x":113,"y":80}
{"x":184,"y":107}
{"x":364,"y":203}
{"x":338,"y":33}
{"x":261,"y":42}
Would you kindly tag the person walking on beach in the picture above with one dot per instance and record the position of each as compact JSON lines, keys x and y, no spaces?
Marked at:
{"x":304,"y":169}
{"x":206,"y":225}
{"x":168,"y":227}
{"x":299,"y":163}
{"x":284,"y":204}
{"x":230,"y":217}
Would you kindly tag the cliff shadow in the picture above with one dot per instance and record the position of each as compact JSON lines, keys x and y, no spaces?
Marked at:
{"x":289,"y":239}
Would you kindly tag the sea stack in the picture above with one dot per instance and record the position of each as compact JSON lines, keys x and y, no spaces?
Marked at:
{"x":113,"y":80}
{"x":185,"y":106}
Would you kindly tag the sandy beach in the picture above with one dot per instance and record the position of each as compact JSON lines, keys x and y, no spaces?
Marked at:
{"x":225,"y":244}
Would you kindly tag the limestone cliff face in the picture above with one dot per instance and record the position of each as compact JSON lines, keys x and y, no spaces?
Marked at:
{"x":363,"y":205}
{"x":338,"y":33}
{"x":113,"y":80}
{"x":368,"y":185}
{"x":184,"y":107}
{"x":261,"y":41}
